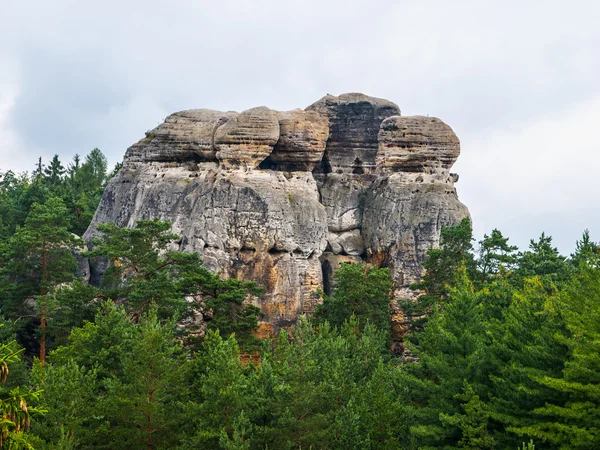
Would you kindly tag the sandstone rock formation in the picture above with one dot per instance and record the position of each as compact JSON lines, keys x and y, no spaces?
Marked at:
{"x":283,"y":198}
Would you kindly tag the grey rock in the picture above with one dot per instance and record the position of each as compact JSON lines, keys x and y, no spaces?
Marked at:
{"x":354,"y":121}
{"x":341,"y":194}
{"x":184,"y":136}
{"x":258,"y":225}
{"x":247,"y":139}
{"x":402,"y":220}
{"x":352,"y":243}
{"x":416,"y":144}
{"x":346,"y":243}
{"x":379,"y":191}
{"x":302,"y":138}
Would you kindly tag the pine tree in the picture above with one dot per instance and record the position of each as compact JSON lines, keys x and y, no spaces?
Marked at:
{"x":146,"y":405}
{"x":525,"y":348}
{"x":53,"y":174}
{"x":219,"y":390}
{"x":70,"y":393}
{"x":452,"y":350}
{"x":144,"y":272}
{"x":574,"y":422}
{"x":440,"y":268}
{"x":472,"y":421}
{"x":39,"y":258}
{"x":586,"y":251}
{"x":495,"y":256}
{"x":362,"y":291}
{"x":117,"y":384}
{"x":543,"y":260}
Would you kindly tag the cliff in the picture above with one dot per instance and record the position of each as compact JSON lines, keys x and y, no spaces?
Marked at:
{"x":283,"y":198}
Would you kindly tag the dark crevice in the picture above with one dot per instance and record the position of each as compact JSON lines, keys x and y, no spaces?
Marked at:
{"x":267,"y":164}
{"x":324,"y":167}
{"x":327,"y":271}
{"x":275,"y":251}
{"x":357,"y":167}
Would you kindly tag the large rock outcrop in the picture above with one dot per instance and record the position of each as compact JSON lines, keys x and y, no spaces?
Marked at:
{"x":283,"y":198}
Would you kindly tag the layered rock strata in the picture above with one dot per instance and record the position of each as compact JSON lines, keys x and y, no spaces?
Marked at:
{"x":283,"y":198}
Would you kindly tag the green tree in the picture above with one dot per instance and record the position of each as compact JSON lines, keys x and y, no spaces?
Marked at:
{"x":53,"y":174}
{"x":70,"y":393}
{"x":496,"y":256}
{"x":574,"y":422}
{"x":310,"y":388}
{"x":524,"y":349}
{"x":219,"y":390}
{"x":117,"y":384}
{"x":144,"y":272}
{"x":99,"y":345}
{"x":146,"y":405}
{"x":543,"y":260}
{"x":362,"y":291}
{"x":586,"y":251}
{"x":441,"y":265}
{"x":472,"y":421}
{"x":86,"y":182}
{"x":38,"y":259}
{"x":15,"y":413}
{"x":94,"y":171}
{"x":452,"y":350}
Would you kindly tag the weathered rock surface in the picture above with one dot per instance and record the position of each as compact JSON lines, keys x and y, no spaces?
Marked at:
{"x":354,"y":121}
{"x":283,"y":198}
{"x":248,"y":138}
{"x":416,"y":144}
{"x":185,"y":135}
{"x":302,"y":139}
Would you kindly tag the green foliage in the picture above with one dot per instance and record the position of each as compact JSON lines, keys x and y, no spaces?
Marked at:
{"x":452,"y":371}
{"x":15,"y":413}
{"x":362,"y":291}
{"x":117,"y":384}
{"x":146,"y":405}
{"x":440,"y":267}
{"x":525,"y":348}
{"x":544,"y":261}
{"x":496,"y":256}
{"x":307,"y":391}
{"x":79,"y":186}
{"x":586,"y":252}
{"x":504,"y":348}
{"x":145,"y":273}
{"x":573,"y":421}
{"x":69,"y":394}
{"x":38,"y":258}
{"x":472,"y":421}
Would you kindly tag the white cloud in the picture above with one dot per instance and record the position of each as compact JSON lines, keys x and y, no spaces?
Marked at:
{"x":502,"y":73}
{"x":536,"y":176}
{"x":12,"y":155}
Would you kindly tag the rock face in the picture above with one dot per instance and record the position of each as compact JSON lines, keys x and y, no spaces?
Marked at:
{"x":283,"y":198}
{"x":247,"y":139}
{"x":183,"y":135}
{"x":416,"y":144}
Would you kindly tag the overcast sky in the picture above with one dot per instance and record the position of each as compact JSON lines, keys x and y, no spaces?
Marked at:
{"x":519,"y":82}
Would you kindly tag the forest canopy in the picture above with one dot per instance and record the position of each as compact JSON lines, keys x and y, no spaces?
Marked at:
{"x":501,"y":352}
